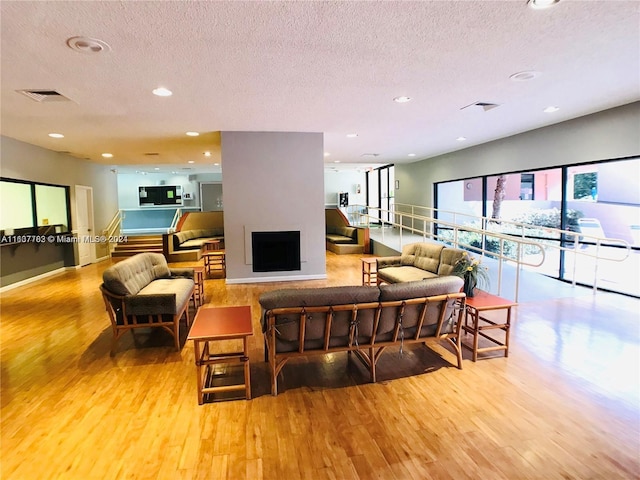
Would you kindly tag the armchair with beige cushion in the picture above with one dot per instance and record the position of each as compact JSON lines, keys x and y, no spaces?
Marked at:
{"x":143,"y":292}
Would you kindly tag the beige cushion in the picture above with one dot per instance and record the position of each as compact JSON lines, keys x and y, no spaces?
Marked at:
{"x":403,"y":273}
{"x":424,"y":288}
{"x":422,"y":255}
{"x":448,"y":259}
{"x":162,"y":296}
{"x":129,"y":276}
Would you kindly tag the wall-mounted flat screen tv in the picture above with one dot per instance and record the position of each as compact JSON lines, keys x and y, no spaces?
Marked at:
{"x":160,"y":195}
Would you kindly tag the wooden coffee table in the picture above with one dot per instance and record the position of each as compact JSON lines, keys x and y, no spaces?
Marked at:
{"x":219,"y":324}
{"x":478,"y":325}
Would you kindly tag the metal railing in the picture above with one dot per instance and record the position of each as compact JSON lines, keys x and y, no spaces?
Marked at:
{"x":446,"y":226}
{"x":113,"y":230}
{"x":175,"y":220}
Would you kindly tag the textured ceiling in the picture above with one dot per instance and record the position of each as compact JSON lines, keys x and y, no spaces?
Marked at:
{"x":331,"y":67}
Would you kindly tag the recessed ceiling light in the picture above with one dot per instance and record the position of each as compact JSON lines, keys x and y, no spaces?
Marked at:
{"x":87,"y":45}
{"x":193,"y":134}
{"x":216,"y":164}
{"x":107,"y":155}
{"x":352,"y":135}
{"x":326,"y":154}
{"x":461,"y":139}
{"x":207,"y":154}
{"x":539,"y":4}
{"x":162,"y":92}
{"x":191,"y":161}
{"x":336,"y":161}
{"x":551,"y":109}
{"x":157,"y":168}
{"x":56,"y":135}
{"x":525,"y":76}
{"x":411,"y":155}
{"x":402,"y":99}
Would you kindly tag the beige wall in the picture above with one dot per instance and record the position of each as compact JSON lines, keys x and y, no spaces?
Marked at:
{"x":202,"y":220}
{"x":601,"y":136}
{"x":22,"y":161}
{"x":273,"y":181}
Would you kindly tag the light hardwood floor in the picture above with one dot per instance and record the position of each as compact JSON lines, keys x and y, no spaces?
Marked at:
{"x":564,"y":405}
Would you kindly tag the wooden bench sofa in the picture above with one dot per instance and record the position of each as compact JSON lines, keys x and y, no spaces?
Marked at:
{"x":194,"y":230}
{"x":341,"y":237}
{"x":365,"y":320}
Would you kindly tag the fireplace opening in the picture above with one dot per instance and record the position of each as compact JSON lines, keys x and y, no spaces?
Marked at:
{"x":275,"y":251}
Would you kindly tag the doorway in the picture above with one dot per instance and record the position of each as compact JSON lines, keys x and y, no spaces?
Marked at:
{"x":84,"y":225}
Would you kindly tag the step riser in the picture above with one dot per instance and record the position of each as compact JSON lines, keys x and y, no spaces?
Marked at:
{"x":137,"y":244}
{"x":127,"y":253}
{"x":141,"y":246}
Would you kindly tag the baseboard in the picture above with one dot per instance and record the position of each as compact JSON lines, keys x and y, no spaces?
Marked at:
{"x":288,"y":278}
{"x":37,"y":278}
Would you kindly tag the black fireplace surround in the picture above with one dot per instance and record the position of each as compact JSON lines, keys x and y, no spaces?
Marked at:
{"x":275,"y":251}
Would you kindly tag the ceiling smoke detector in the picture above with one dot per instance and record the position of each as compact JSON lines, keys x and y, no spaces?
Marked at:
{"x":88,"y":45}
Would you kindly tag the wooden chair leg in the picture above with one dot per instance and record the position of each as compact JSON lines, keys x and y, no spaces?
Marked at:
{"x":176,"y":331}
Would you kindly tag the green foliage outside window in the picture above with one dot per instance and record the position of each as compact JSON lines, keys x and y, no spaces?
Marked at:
{"x":585,"y":186}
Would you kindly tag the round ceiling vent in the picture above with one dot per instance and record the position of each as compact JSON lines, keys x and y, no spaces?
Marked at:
{"x":88,"y":45}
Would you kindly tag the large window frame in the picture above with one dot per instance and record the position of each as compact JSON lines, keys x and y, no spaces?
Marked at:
{"x":380,"y":185}
{"x":565,"y":197}
{"x":46,"y":205}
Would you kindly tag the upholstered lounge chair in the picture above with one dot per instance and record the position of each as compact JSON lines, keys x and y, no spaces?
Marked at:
{"x":143,"y":292}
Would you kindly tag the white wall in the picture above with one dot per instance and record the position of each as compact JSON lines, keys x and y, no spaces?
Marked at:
{"x":128,"y":184}
{"x":273,"y":181}
{"x":601,"y":136}
{"x":339,"y":181}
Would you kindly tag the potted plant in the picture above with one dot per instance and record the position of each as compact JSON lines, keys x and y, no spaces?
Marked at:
{"x":472,"y":272}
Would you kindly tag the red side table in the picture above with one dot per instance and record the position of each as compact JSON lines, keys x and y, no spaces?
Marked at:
{"x":479,"y":326}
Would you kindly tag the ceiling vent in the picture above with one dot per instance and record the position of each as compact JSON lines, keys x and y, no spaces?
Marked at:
{"x":42,"y":96}
{"x":152,"y":154}
{"x":370,"y":155}
{"x":484,"y":105}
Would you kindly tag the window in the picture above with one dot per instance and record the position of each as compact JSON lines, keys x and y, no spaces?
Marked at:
{"x":600,"y":202}
{"x":33,"y":208}
{"x":526,"y":186}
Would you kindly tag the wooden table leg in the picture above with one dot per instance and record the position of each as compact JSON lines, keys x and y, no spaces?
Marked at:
{"x":507,"y":329}
{"x":196,"y":349}
{"x":247,"y":369}
{"x":475,"y":314}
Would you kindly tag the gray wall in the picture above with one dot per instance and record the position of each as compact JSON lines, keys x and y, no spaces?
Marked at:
{"x":23,"y":161}
{"x":273,"y":181}
{"x":605,"y":135}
